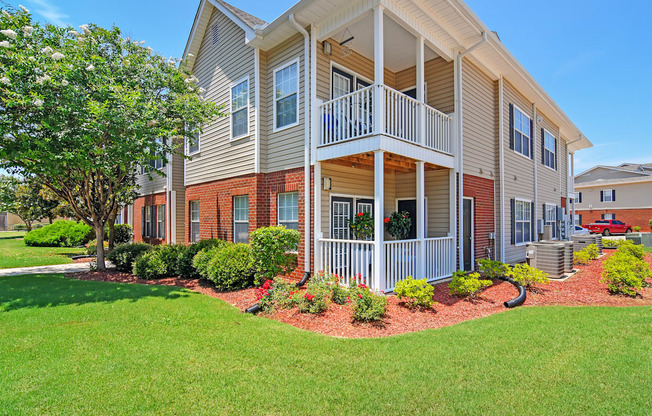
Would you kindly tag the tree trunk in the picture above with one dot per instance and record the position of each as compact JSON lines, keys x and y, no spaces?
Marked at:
{"x":99,"y":233}
{"x":51,"y":220}
{"x":28,"y":226}
{"x":111,"y":225}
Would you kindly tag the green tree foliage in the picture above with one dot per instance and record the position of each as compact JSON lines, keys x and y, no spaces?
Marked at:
{"x":83,"y":112}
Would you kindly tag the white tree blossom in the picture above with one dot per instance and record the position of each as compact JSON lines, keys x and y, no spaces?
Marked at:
{"x":47,"y":50}
{"x":4,"y":44}
{"x":38,"y":102}
{"x":23,"y":8}
{"x":27,"y":30}
{"x":31,"y":59}
{"x":64,"y":83}
{"x":9,"y":33}
{"x":74,"y":33}
{"x":5,"y":80}
{"x":90,"y":67}
{"x":57,"y":56}
{"x":6,"y":13}
{"x":85,"y":29}
{"x":41,"y":80}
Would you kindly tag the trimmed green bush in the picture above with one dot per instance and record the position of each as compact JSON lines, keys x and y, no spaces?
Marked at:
{"x":315,"y":300}
{"x":368,"y":306}
{"x":493,"y":269}
{"x":124,"y":256}
{"x":592,"y":251}
{"x":636,"y":228}
{"x":122,"y":234}
{"x":159,"y":263}
{"x":418,"y":292}
{"x":625,"y":274}
{"x":340,"y":294}
{"x":628,"y":247}
{"x":581,"y":258}
{"x":61,"y":233}
{"x":528,"y":276}
{"x":230,"y":267}
{"x":273,"y":250}
{"x":185,"y":268}
{"x":467,"y":285}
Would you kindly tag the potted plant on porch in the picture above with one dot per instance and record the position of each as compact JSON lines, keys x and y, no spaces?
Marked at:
{"x":398,"y":225}
{"x":362,"y":227}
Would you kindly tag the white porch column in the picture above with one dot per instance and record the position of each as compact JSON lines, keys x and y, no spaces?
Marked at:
{"x":379,"y":70}
{"x":379,"y":223}
{"x":421,"y":224}
{"x":421,"y":96}
{"x":317,"y":186}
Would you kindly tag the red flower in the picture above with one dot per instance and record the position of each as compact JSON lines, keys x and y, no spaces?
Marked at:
{"x":309,"y":297}
{"x":360,"y":296}
{"x":362,"y":285}
{"x":386,"y":220}
{"x":267,"y":284}
{"x":360,"y":214}
{"x":348,"y":299}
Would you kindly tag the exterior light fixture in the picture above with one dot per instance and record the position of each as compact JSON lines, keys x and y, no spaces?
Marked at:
{"x":327,"y":48}
{"x":326,"y":183}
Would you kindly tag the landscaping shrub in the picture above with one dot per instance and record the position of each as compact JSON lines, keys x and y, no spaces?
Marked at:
{"x":636,"y":228}
{"x":185,"y":266}
{"x":493,"y":269}
{"x":418,"y":292}
{"x":650,"y":224}
{"x":231,"y":266}
{"x":91,"y":247}
{"x":368,"y":306}
{"x":122,"y":234}
{"x":124,"y":256}
{"x":528,"y":276}
{"x":340,"y":294}
{"x":158,"y":263}
{"x":20,"y":227}
{"x":593,"y":251}
{"x":581,"y":258}
{"x":628,"y":247}
{"x":625,"y":274}
{"x":61,"y":233}
{"x":276,"y":294}
{"x":274,"y":251}
{"x":612,"y":243}
{"x":467,"y":285}
{"x":315,"y":299}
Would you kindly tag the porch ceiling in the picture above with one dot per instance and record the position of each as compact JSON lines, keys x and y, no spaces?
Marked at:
{"x":393,"y":163}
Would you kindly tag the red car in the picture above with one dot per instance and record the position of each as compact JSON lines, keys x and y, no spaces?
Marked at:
{"x":608,"y":227}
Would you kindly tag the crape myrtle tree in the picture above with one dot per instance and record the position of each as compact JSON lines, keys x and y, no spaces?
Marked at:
{"x":83,"y":112}
{"x":23,"y":197}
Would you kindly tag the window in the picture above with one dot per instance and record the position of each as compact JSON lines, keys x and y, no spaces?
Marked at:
{"x":160,"y":160}
{"x":149,"y":220}
{"x":160,"y":221}
{"x":579,"y":197}
{"x":118,"y":218}
{"x":549,"y":150}
{"x":288,"y":210}
{"x":521,"y":133}
{"x":192,"y":139}
{"x":286,"y":95}
{"x":194,"y":221}
{"x":241,"y":219}
{"x":522,"y":221}
{"x":608,"y":216}
{"x":608,"y":195}
{"x":240,"y":110}
{"x":550,"y":218}
{"x":578,"y":220}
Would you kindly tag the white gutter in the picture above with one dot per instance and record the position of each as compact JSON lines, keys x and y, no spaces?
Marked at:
{"x":535,"y":215}
{"x":501,"y":122}
{"x":306,"y":123}
{"x":460,"y":152}
{"x":257,"y":110}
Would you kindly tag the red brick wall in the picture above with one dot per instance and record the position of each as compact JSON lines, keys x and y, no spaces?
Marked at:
{"x":216,"y":205}
{"x":482,"y":192}
{"x":139,"y":203}
{"x":640,"y":217}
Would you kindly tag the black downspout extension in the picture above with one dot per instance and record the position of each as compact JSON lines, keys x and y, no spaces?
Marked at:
{"x":518,"y":300}
{"x":256,"y":308}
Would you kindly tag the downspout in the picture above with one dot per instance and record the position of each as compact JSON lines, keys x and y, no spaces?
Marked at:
{"x":535,"y":216}
{"x":257,"y":110}
{"x":460,"y":151}
{"x":501,"y":146}
{"x":306,"y":173}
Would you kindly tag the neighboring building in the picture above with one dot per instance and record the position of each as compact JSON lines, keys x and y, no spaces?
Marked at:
{"x":9,"y":220}
{"x":341,"y":107}
{"x":621,"y":192}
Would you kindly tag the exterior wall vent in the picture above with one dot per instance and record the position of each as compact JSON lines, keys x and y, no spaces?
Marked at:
{"x":215,"y":34}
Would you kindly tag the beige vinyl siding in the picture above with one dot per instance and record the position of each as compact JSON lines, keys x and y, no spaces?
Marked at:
{"x":633,"y":195}
{"x":551,"y":185}
{"x":437,"y":194}
{"x":147,"y":186}
{"x":179,"y":188}
{"x":218,"y":67}
{"x":284,"y":149}
{"x":519,"y":172}
{"x":440,"y":78}
{"x":479,"y":118}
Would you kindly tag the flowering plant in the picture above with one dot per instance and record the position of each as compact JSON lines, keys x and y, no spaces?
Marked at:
{"x":398,"y":225}
{"x":362,"y":226}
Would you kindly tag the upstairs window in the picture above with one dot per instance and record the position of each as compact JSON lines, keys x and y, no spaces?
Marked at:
{"x":521,"y":132}
{"x":240,"y":110}
{"x":286,"y":95}
{"x":549,"y":150}
{"x":608,"y":195}
{"x":192,"y":139}
{"x":288,"y":210}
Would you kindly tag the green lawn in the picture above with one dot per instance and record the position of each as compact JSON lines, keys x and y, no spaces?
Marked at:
{"x":76,"y":347}
{"x":648,"y":249}
{"x":14,"y":252}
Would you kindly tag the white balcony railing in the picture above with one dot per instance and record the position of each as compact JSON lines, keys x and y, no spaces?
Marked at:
{"x":352,"y":116}
{"x":350,"y":258}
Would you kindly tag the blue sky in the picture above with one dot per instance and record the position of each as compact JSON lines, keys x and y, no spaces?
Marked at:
{"x":592,"y":57}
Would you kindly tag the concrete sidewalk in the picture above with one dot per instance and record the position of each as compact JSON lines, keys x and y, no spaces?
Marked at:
{"x":56,"y":268}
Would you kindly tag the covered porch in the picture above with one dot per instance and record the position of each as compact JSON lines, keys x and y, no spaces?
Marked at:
{"x":381,"y":182}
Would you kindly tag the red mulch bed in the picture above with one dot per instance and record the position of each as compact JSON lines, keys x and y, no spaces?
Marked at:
{"x":583,"y":288}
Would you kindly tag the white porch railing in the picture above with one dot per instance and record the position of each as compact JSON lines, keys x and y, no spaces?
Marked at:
{"x":400,"y":261}
{"x":348,"y":259}
{"x":440,"y":258}
{"x":352,"y":116}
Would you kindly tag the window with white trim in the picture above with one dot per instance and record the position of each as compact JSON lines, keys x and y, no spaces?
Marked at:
{"x":194,"y":221}
{"x":608,"y":195}
{"x":288,"y":210}
{"x":192,"y":139}
{"x":522,"y":133}
{"x":551,"y":218}
{"x":549,"y":150}
{"x":608,"y":216}
{"x":241,"y":219}
{"x":523,"y":221}
{"x":160,"y":221}
{"x":149,"y":221}
{"x":286,"y":95}
{"x":240,"y":110}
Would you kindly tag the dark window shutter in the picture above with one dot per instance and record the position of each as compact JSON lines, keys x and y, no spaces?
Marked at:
{"x":613,"y":195}
{"x":580,"y":197}
{"x":601,"y":196}
{"x":511,"y":126}
{"x":560,"y":216}
{"x":602,"y":216}
{"x":580,"y":224}
{"x":142,"y":228}
{"x":532,"y":136}
{"x":532,"y":224}
{"x":543,"y":147}
{"x":545,"y":213}
{"x":556,"y":152}
{"x":513,"y":214}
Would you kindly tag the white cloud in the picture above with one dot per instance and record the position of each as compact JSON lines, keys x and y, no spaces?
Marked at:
{"x":50,"y":12}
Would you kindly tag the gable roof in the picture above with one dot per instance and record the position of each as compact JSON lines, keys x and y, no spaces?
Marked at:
{"x":251,"y":20}
{"x":625,"y":167}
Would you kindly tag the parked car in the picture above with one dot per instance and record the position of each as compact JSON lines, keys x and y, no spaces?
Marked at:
{"x":579,"y":230}
{"x":609,"y":227}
